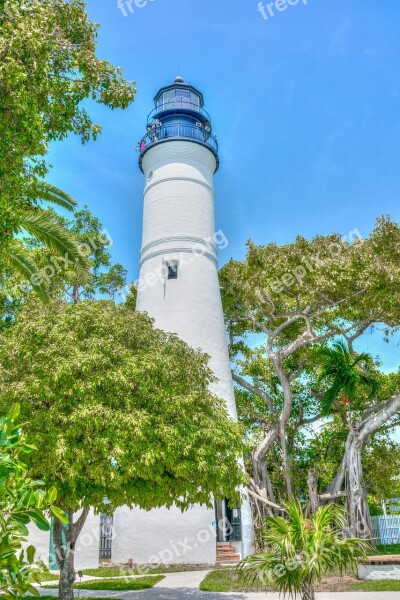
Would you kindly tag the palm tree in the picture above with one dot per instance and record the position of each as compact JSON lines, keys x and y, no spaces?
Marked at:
{"x":41,"y":224}
{"x":344,"y":372}
{"x":303,"y":551}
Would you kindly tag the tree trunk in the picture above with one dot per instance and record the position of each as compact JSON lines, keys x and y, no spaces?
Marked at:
{"x":357,"y":503}
{"x":313,"y":502}
{"x":67,"y":576}
{"x":65,"y":538}
{"x":307,"y":591}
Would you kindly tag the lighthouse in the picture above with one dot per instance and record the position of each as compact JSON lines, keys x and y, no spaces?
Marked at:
{"x":179,"y":288}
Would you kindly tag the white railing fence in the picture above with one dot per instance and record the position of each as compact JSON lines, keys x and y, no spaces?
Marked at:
{"x":386,"y":530}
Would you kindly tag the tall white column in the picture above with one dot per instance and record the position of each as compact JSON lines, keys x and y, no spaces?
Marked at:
{"x":179,"y":231}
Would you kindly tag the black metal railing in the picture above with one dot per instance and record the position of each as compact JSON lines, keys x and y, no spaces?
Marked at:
{"x":178,"y":131}
{"x":176,"y":105}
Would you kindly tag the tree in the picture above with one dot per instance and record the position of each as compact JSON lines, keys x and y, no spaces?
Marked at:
{"x":22,"y":501}
{"x":301,"y":551}
{"x":45,"y":229}
{"x":48,"y":67}
{"x":346,"y":374}
{"x":123,"y":411}
{"x":94,"y":241}
{"x":293,"y":299}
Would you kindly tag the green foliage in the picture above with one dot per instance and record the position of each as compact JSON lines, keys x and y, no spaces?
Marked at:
{"x":22,"y":501}
{"x":94,"y":244}
{"x":323,"y":453}
{"x":123,"y":409}
{"x":45,"y":229}
{"x":303,"y":550}
{"x":48,"y":68}
{"x":283,"y":305}
{"x":345,"y":376}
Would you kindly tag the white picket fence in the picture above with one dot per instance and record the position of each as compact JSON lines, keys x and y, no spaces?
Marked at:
{"x":386,"y":530}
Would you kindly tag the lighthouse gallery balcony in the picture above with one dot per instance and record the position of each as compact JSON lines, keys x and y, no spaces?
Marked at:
{"x":162,"y":133}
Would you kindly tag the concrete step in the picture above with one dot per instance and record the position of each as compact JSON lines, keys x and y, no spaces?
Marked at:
{"x":233,"y":561}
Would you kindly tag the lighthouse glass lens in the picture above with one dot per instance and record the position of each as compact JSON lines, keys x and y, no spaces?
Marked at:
{"x":169,"y":99}
{"x":195,"y":100}
{"x":182,"y":98}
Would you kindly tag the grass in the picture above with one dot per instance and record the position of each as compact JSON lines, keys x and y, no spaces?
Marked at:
{"x":126,"y":570}
{"x":141,"y":583}
{"x":45,"y":576}
{"x":226,"y":580}
{"x":377,"y":586}
{"x":388,"y":549}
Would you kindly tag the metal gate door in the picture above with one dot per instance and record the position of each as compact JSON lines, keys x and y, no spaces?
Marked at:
{"x":106,"y":536}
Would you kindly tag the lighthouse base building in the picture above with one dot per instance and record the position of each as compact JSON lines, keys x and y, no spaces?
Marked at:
{"x":179,"y":288}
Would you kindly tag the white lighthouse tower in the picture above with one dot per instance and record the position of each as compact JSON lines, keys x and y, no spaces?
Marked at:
{"x":179,"y":288}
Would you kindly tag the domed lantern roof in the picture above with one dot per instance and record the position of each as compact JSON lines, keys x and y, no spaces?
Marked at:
{"x":180,"y":98}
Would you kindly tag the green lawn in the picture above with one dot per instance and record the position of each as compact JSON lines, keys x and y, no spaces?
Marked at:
{"x":141,"y":583}
{"x":388,"y":549}
{"x":226,"y":580}
{"x":134,"y":570}
{"x":377,"y":586}
{"x":45,"y":576}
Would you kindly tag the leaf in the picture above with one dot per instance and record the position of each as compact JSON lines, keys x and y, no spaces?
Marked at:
{"x":39,"y":520}
{"x":30,"y":554}
{"x":14,"y":412}
{"x":51,"y":495}
{"x":59,"y":514}
{"x":33,"y":590}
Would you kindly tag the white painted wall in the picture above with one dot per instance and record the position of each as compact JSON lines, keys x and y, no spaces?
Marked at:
{"x":179,"y":217}
{"x":41,"y":541}
{"x":87,"y":548}
{"x":164,"y":536}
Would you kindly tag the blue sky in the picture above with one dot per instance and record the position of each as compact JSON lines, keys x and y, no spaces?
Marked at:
{"x":305,"y":106}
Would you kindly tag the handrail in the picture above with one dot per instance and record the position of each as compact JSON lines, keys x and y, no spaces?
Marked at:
{"x":177,"y":104}
{"x":177,"y":131}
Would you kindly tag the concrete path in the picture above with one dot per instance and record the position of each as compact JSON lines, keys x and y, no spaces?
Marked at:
{"x":160,"y":593}
{"x":185,"y":580}
{"x":185,"y":586}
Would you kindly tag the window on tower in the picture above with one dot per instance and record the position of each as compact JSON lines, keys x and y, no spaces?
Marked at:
{"x":172,"y":269}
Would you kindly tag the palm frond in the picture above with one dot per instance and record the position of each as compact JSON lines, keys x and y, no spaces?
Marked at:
{"x":303,"y":551}
{"x":42,"y":225}
{"x":329,"y":397}
{"x":51,"y":193}
{"x":18,"y":260}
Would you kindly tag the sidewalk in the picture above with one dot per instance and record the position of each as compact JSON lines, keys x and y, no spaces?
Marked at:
{"x":185,"y":586}
{"x":160,"y":593}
